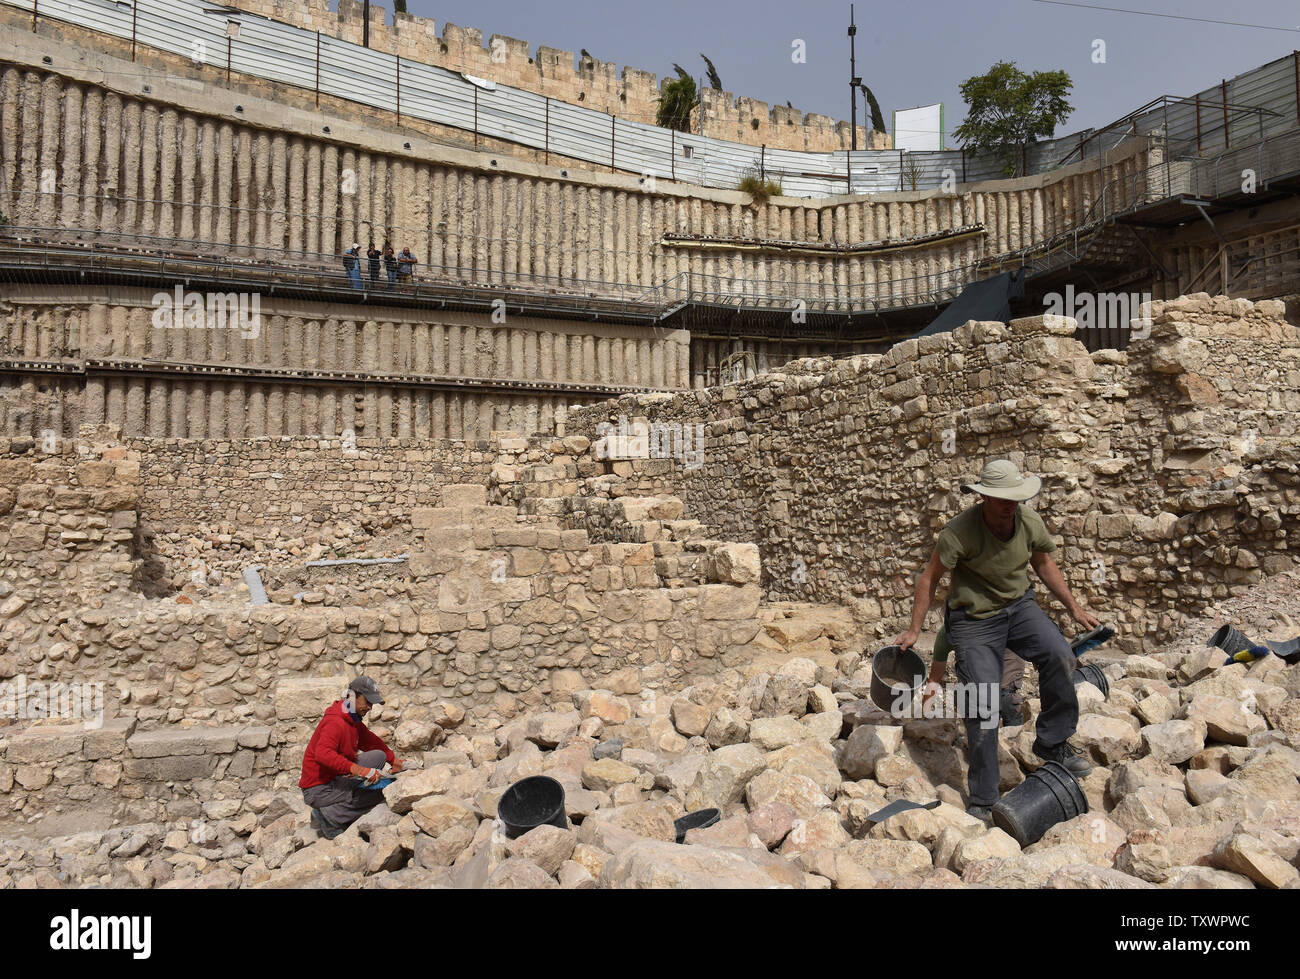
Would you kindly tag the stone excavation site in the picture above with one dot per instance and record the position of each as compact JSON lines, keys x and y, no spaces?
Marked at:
{"x":645,"y":548}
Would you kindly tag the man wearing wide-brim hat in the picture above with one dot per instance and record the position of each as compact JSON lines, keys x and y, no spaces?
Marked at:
{"x":991,"y":607}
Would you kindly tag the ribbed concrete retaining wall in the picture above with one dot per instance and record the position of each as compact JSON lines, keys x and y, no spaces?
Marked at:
{"x":181,"y":162}
{"x":116,"y":324}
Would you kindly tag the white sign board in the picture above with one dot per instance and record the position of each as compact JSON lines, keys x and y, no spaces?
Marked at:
{"x":920,"y":128}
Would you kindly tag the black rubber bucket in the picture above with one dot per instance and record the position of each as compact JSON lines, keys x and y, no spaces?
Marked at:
{"x":695,"y":820}
{"x":1049,"y":796}
{"x":1230,"y":640}
{"x":1092,"y":673}
{"x":532,"y":802}
{"x":896,"y":677}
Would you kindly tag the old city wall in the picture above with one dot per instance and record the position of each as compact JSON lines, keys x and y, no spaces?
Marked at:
{"x":1170,"y":471}
{"x":182,"y":163}
{"x":593,"y":84}
{"x":377,"y":347}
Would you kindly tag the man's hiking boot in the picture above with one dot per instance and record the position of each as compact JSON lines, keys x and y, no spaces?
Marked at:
{"x":324,"y":826}
{"x":983,"y":813}
{"x":1064,"y":754}
{"x":1012,"y":715}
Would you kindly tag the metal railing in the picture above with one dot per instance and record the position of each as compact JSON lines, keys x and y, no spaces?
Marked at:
{"x":27,"y":249}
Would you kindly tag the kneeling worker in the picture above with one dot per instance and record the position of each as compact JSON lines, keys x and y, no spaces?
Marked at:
{"x":991,"y":608}
{"x":342,"y":758}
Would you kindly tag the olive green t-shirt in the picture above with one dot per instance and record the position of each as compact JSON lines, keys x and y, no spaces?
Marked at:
{"x":989,"y":574}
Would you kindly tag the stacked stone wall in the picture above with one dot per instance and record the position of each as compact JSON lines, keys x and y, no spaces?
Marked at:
{"x":1171,"y":473}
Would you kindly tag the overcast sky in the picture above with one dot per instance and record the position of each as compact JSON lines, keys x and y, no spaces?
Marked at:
{"x":910,"y":52}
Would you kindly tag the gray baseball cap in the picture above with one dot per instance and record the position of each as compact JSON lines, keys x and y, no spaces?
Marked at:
{"x":367,"y":688}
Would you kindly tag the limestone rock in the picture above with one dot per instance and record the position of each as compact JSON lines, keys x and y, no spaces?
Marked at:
{"x":1246,"y":855}
{"x":518,"y":873}
{"x":722,"y":778}
{"x":1174,"y":742}
{"x":994,"y":843}
{"x":1227,"y":721}
{"x":546,"y":846}
{"x":865,"y":747}
{"x":655,"y":864}
{"x":1106,"y":739}
{"x":605,"y":773}
{"x":725,"y":727}
{"x":1088,"y":877}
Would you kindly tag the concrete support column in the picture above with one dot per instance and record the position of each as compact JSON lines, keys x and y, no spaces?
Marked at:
{"x":168,"y":157}
{"x":236,"y":410}
{"x":188,"y":176}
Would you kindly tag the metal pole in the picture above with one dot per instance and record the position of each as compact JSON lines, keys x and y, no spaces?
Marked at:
{"x":399,"y":88}
{"x":1295,"y":63}
{"x":672,"y":160}
{"x":476,"y":116}
{"x":134,"y":4}
{"x":229,"y":42}
{"x":548,"y":130}
{"x":612,"y":120}
{"x":318,"y":69}
{"x":365,"y":26}
{"x":963,"y":164}
{"x":1224,"y":90}
{"x":762,"y":163}
{"x":1198,"y":123}
{"x":35,"y":6}
{"x":853,"y":81}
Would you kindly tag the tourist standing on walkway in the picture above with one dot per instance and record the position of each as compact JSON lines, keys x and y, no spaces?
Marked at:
{"x":352,"y":264}
{"x":390,"y":264}
{"x":406,"y":263}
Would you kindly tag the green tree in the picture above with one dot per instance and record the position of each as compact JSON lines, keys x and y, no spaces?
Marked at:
{"x":678,"y":98}
{"x":1009,"y":109}
{"x":399,"y":6}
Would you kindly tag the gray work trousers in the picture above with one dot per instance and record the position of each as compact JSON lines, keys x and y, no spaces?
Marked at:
{"x":980,"y":646}
{"x":343,"y":800}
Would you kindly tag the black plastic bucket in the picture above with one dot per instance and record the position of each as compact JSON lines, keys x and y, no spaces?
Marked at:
{"x":1230,"y":640}
{"x":896,"y":676}
{"x":695,"y":820}
{"x":1092,"y":673}
{"x":1048,"y":796}
{"x":532,"y":802}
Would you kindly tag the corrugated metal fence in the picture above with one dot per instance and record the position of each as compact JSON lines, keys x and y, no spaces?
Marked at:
{"x":1250,"y":106}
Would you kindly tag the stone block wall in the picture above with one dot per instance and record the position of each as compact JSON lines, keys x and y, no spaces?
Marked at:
{"x":69,"y":510}
{"x":1171,"y":472}
{"x":110,"y":772}
{"x":494,"y":612}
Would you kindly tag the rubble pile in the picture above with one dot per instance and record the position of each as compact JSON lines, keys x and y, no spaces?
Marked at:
{"x":1195,"y":785}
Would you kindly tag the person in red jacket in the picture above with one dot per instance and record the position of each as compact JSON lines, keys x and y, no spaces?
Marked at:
{"x":342,"y":758}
